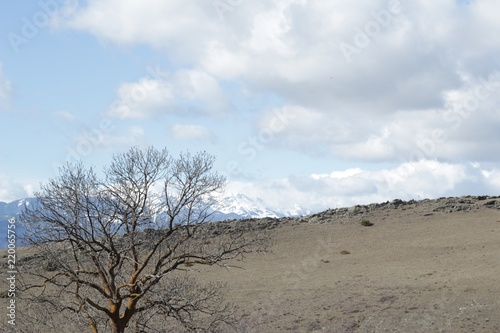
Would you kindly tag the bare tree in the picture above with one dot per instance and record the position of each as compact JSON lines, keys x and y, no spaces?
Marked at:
{"x":112,"y":246}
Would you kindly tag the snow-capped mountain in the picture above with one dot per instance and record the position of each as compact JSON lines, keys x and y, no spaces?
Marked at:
{"x":9,"y":210}
{"x":239,"y":206}
{"x":232,"y":206}
{"x":15,"y":207}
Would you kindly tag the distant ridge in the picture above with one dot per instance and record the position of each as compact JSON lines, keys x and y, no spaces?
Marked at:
{"x":242,"y":207}
{"x":228,"y":207}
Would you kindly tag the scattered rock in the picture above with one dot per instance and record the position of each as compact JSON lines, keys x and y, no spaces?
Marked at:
{"x":495,"y":204}
{"x":451,"y":205}
{"x":346,"y":214}
{"x":387,"y":298}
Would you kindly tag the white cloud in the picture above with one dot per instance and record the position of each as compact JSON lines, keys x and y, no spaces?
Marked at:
{"x":465,"y":127}
{"x":195,"y":87}
{"x":191,"y":133}
{"x":142,"y":99}
{"x":493,"y":177}
{"x":424,"y":179}
{"x":185,"y":92}
{"x":11,"y":190}
{"x":178,"y":25}
{"x":338,"y":174}
{"x":408,"y":67}
{"x":224,"y":63}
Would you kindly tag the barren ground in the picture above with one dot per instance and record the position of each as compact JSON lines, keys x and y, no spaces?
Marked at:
{"x":422,"y":267}
{"x":409,"y":272}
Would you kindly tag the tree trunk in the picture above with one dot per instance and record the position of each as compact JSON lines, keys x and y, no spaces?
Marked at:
{"x":119,"y":323}
{"x":117,"y":327}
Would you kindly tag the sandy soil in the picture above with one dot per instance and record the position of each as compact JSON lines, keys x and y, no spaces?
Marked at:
{"x":409,"y":272}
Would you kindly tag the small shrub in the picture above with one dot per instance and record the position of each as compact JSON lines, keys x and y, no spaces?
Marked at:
{"x":51,"y":265}
{"x":366,"y":223}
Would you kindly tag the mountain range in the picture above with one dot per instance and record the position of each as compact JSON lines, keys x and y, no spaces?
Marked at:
{"x":233,"y":206}
{"x":239,"y":206}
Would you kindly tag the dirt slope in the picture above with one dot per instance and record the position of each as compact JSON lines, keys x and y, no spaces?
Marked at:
{"x":424,"y":266}
{"x":427,"y":266}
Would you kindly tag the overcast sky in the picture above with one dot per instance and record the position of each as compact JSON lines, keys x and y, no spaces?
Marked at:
{"x":318,"y":103}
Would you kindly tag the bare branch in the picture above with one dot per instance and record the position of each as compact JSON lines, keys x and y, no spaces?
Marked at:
{"x":112,"y":245}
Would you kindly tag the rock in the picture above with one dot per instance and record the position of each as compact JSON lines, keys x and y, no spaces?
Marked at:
{"x":495,"y":204}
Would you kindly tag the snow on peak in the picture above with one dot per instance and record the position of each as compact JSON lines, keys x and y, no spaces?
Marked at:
{"x":247,"y":207}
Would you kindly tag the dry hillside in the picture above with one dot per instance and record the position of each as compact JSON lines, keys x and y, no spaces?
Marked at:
{"x":423,"y":266}
{"x":426,"y":266}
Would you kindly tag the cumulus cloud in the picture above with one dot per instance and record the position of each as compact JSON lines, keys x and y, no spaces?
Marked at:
{"x":179,"y":26}
{"x":11,"y":190}
{"x":464,"y":127}
{"x":191,"y":132}
{"x":186,"y":92}
{"x":377,"y":81}
{"x":492,"y":176}
{"x":423,"y":179}
{"x":103,"y":138}
{"x":142,"y":99}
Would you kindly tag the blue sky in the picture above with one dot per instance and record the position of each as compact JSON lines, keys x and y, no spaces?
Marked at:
{"x":314,"y":103}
